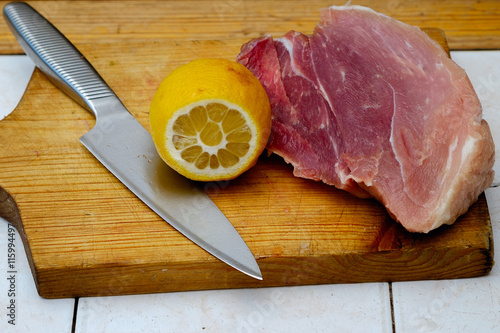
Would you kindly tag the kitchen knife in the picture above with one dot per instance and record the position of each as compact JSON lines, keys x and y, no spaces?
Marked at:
{"x":124,"y":147}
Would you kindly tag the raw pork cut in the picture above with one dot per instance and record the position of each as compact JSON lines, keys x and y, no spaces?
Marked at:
{"x":375,"y":107}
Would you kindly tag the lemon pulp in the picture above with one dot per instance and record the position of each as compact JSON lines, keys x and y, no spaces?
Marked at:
{"x":211,"y":134}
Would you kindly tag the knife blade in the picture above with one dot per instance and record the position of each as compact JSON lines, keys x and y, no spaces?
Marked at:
{"x":124,"y":147}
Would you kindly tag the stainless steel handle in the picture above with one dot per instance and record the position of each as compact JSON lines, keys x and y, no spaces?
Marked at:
{"x":56,"y":56}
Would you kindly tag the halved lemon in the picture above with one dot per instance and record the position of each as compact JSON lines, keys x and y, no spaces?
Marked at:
{"x":210,"y":119}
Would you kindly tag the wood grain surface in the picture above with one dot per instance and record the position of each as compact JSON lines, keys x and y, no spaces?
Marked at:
{"x":468,"y":24}
{"x":86,"y":234}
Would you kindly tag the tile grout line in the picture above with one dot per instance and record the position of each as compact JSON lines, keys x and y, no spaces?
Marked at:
{"x":392,"y":308}
{"x":75,"y":310}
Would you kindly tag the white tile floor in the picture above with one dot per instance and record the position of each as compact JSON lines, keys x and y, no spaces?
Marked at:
{"x":467,"y":305}
{"x":295,"y":309}
{"x":15,"y":73}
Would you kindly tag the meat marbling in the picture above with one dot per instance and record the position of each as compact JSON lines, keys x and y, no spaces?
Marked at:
{"x":375,"y":107}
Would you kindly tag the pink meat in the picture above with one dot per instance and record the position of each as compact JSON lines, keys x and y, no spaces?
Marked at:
{"x":375,"y":107}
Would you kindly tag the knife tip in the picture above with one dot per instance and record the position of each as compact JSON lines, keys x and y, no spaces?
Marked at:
{"x":252,"y":272}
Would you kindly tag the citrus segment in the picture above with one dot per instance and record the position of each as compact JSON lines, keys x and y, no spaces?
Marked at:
{"x":210,"y":119}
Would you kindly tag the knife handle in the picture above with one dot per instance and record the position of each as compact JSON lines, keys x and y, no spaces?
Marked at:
{"x":56,"y":56}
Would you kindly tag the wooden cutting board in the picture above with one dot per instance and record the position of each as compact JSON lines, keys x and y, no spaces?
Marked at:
{"x":85,"y":234}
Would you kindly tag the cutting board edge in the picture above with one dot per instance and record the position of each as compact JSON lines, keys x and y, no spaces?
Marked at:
{"x":277,"y":272}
